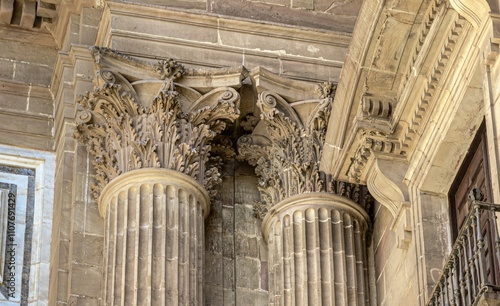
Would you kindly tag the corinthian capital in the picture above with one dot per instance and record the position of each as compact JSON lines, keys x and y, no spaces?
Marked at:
{"x":133,"y":120}
{"x":286,"y":145}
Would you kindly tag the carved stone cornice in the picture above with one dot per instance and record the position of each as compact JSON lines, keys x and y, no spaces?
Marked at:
{"x":129,"y":123}
{"x":395,"y":95}
{"x":286,"y":148}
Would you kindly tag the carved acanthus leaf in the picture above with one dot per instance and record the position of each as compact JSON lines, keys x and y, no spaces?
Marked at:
{"x":286,"y":151}
{"x":124,"y":135}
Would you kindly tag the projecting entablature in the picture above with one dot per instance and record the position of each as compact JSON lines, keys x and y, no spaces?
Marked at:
{"x":403,"y":79}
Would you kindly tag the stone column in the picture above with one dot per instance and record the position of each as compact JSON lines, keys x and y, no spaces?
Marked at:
{"x":317,"y":251}
{"x":154,"y":176}
{"x":154,"y":238}
{"x":315,"y":227}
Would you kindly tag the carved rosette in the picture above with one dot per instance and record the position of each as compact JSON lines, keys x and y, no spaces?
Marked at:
{"x":286,"y":149}
{"x":125,"y":132}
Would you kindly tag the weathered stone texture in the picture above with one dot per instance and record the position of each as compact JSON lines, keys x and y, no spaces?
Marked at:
{"x":26,"y":115}
{"x":22,"y":63}
{"x":336,"y":15}
{"x":233,"y":253}
{"x":393,"y":266}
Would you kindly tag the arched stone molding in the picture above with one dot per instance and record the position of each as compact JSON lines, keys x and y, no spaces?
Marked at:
{"x":152,"y":134}
{"x":430,"y":70}
{"x":441,"y":148}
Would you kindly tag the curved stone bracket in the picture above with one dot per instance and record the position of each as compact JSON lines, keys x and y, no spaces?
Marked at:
{"x":385,"y":182}
{"x":475,"y":11}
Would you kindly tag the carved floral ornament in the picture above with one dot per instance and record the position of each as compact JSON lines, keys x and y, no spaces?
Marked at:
{"x":125,"y":131}
{"x":286,"y":148}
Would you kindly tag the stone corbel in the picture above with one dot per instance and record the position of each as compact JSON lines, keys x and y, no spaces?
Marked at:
{"x":385,"y":182}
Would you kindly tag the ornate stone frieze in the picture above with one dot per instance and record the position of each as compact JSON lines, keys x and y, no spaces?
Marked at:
{"x":286,"y":147}
{"x":150,"y":124}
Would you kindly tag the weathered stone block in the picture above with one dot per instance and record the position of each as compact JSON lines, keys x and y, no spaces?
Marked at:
{"x":214,"y":295}
{"x":251,"y":297}
{"x":245,"y":220}
{"x":247,"y":273}
{"x":306,"y":4}
{"x":338,"y":7}
{"x":228,"y":245}
{"x":88,"y":35}
{"x":6,"y":11}
{"x":186,"y":53}
{"x":213,"y":269}
{"x":213,"y":243}
{"x":86,"y":280}
{"x":13,"y":102}
{"x":311,"y":71}
{"x":246,"y":246}
{"x":194,"y":31}
{"x":246,"y":190}
{"x":214,"y":219}
{"x":94,"y":223}
{"x":228,"y":219}
{"x":33,"y":74}
{"x":19,"y":51}
{"x":6,"y":69}
{"x":28,"y":14}
{"x":64,"y":256}
{"x":40,"y":101}
{"x":228,"y":272}
{"x":83,"y":301}
{"x":87,"y":249}
{"x":79,"y":221}
{"x":229,"y":297}
{"x":62,"y":285}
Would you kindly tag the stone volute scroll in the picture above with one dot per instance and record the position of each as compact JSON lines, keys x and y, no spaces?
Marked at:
{"x":316,"y":228}
{"x":149,"y":128}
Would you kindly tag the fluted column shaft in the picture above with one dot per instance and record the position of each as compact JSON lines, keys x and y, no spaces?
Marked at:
{"x":317,"y":252}
{"x":154,"y":238}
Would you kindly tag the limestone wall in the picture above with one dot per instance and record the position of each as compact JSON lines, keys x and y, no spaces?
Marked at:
{"x":235,"y":253}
